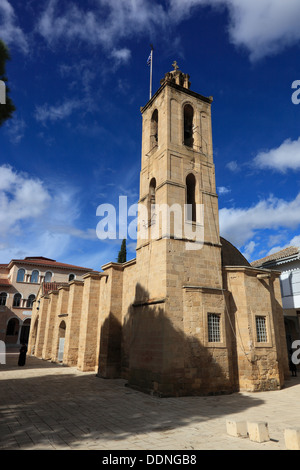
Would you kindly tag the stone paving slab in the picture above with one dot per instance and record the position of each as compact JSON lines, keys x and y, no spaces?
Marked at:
{"x":46,"y":406}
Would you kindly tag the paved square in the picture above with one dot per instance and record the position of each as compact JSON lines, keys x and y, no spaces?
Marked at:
{"x":48,"y":406}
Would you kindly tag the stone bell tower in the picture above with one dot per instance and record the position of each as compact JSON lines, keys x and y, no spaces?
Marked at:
{"x":178,"y":248}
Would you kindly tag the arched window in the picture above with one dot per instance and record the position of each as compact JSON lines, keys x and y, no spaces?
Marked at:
{"x":34,"y":276}
{"x":30,"y":300}
{"x":17,"y":300}
{"x":190,"y":197}
{"x":188,"y":116}
{"x":71,"y":277}
{"x":48,"y":276}
{"x":3,"y":298}
{"x":151,"y":198}
{"x":12,"y":327}
{"x":152,"y":189}
{"x":154,"y":129}
{"x":62,"y":329}
{"x":21,"y":274}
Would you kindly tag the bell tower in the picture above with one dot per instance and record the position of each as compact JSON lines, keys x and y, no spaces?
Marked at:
{"x":178,"y":247}
{"x":177,"y":182}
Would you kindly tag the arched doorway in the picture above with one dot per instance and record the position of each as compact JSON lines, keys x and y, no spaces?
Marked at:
{"x":25,"y":331}
{"x":12,"y":331}
{"x":61,"y":341}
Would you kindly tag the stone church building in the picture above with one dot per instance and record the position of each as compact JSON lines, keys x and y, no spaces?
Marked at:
{"x":188,"y":315}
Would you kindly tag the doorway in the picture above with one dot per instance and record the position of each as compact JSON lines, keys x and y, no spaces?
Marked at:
{"x":25,"y":331}
{"x":61,"y":341}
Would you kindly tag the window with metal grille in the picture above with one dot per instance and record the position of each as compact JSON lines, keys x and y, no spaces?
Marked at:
{"x":214,"y":334}
{"x":261,"y":329}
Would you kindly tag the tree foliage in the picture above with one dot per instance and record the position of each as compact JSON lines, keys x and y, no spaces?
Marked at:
{"x":122,"y":253}
{"x":6,"y":110}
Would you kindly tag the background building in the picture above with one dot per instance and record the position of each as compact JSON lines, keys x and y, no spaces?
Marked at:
{"x":20,"y":281}
{"x":287,"y":261}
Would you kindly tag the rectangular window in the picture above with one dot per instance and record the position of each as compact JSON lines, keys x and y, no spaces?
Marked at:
{"x":214,"y":334}
{"x":296,"y":282}
{"x":261,"y":330}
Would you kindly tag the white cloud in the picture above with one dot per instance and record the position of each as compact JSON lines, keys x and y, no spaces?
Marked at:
{"x":295,"y":241}
{"x":233,"y":166}
{"x":121,"y":56}
{"x":10,"y":32}
{"x":36,"y":216}
{"x":263,"y":27}
{"x":15,"y":129}
{"x":21,"y":198}
{"x":248,"y":249}
{"x":283,"y":158}
{"x":58,"y":112}
{"x":223,"y":190}
{"x":106,"y":24}
{"x":239,"y":225}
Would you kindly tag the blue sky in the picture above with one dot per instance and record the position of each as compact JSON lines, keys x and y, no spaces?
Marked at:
{"x":78,"y":77}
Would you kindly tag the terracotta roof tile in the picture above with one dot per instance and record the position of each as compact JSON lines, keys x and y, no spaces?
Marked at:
{"x":5,"y":282}
{"x":48,"y":262}
{"x":289,"y":251}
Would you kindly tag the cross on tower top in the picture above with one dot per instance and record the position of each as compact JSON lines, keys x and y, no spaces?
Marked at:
{"x":176,"y":76}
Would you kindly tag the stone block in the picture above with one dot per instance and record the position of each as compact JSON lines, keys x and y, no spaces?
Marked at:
{"x":258,"y":431}
{"x":236,"y":428}
{"x":292,"y":438}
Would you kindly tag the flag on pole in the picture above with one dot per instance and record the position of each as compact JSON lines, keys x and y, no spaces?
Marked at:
{"x":149,"y":62}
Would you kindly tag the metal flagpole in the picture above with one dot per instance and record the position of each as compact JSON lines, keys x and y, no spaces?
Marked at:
{"x":151,"y":62}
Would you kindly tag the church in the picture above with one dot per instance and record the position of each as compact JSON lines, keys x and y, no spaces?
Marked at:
{"x":189,"y":315}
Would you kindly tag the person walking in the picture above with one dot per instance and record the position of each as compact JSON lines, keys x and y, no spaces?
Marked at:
{"x":22,"y":355}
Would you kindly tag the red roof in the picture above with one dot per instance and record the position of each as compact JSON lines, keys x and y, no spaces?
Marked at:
{"x":41,"y":261}
{"x":5,"y":282}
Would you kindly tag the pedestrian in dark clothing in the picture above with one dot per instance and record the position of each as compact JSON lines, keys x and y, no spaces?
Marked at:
{"x":22,"y":355}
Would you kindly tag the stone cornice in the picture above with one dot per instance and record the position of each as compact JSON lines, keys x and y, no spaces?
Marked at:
{"x":170,"y":84}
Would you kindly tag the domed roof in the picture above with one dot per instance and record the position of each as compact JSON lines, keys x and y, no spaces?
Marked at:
{"x":231,"y":256}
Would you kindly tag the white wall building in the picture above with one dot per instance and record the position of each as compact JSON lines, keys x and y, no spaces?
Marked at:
{"x":287,"y":261}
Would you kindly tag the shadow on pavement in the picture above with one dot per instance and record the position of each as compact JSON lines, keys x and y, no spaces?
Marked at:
{"x":70,"y":408}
